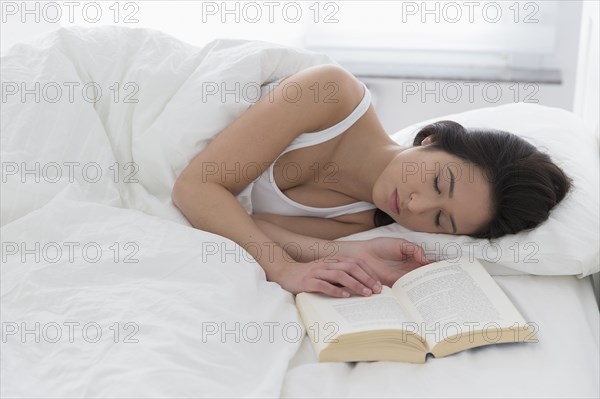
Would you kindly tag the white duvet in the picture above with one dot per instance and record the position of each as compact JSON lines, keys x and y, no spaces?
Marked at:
{"x":137,"y":102}
{"x":112,"y":248}
{"x":106,"y":291}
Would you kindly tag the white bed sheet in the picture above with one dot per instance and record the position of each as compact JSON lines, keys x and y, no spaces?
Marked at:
{"x":564,"y":363}
{"x":172,"y":288}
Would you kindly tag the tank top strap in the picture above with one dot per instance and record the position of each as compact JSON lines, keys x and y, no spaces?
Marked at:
{"x":314,"y":138}
{"x":266,"y":196}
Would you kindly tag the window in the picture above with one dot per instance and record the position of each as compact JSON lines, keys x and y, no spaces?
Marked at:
{"x":471,"y":40}
{"x":509,"y":40}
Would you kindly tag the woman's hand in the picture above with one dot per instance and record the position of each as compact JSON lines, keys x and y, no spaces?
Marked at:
{"x":336,"y":276}
{"x":390,"y":258}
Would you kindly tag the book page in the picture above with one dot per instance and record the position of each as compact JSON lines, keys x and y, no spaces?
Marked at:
{"x":354,"y":314}
{"x":454,"y":297}
{"x":326,"y":318}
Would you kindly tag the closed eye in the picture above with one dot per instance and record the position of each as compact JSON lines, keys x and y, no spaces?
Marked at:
{"x":437,"y":188}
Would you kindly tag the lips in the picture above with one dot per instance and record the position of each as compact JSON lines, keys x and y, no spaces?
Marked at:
{"x":393,"y":202}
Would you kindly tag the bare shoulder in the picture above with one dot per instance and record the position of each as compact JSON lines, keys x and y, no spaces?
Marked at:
{"x":334,"y":90}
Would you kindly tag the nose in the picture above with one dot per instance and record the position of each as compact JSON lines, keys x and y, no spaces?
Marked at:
{"x":418,"y":204}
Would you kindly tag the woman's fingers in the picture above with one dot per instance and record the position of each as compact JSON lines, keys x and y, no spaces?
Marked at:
{"x":342,"y":276}
{"x":353,"y":273}
{"x":346,"y":280}
{"x":325,"y":287}
{"x":374,"y":282}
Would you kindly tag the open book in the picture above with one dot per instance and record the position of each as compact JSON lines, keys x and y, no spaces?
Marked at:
{"x":441,"y":308}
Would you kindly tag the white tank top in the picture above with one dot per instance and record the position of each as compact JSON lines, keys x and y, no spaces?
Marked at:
{"x":266,"y":197}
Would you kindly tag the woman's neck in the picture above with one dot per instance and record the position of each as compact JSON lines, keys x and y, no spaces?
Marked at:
{"x":361,"y":158}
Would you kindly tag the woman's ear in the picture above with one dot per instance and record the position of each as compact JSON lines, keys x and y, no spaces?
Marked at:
{"x":427,"y":140}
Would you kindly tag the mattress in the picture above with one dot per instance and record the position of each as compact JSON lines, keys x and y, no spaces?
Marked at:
{"x":563,"y":363}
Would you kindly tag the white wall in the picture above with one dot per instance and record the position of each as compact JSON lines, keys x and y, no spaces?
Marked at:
{"x":587,"y":93}
{"x":399,"y":106}
{"x":12,"y":30}
{"x":587,"y":101}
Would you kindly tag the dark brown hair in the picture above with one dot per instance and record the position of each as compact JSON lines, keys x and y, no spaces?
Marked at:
{"x":525,"y":183}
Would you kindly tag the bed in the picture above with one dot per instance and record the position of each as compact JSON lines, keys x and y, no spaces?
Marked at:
{"x":107,"y":291}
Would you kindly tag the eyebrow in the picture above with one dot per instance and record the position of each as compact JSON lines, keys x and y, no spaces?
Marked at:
{"x":451,"y":192}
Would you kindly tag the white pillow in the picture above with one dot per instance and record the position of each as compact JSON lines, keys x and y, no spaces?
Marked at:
{"x":568,"y":242}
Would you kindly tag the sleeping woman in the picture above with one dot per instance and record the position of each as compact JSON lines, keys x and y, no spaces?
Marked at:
{"x":325,"y":168}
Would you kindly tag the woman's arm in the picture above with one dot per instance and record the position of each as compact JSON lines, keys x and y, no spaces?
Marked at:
{"x":303,"y":248}
{"x":389,"y":258}
{"x":256,"y":138}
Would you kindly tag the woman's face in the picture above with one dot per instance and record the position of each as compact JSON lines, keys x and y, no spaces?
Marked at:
{"x":431,"y":187}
